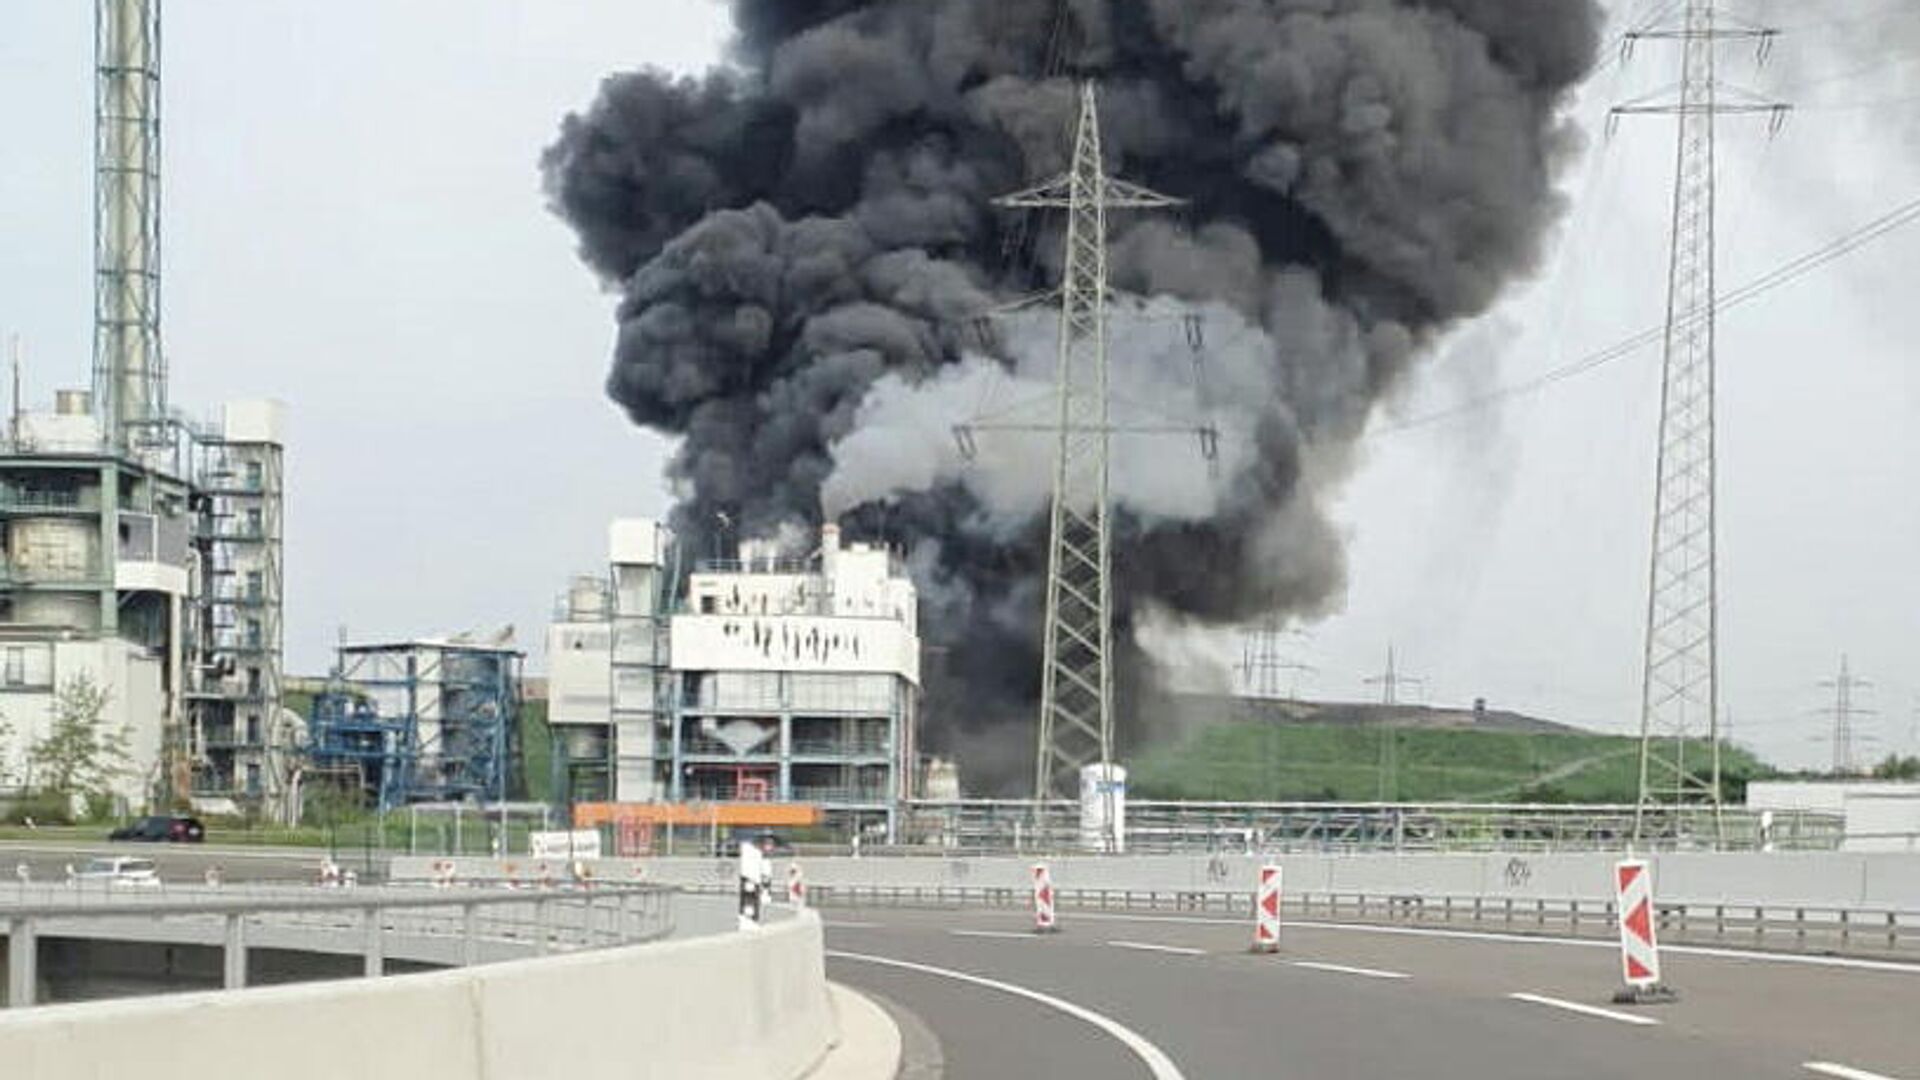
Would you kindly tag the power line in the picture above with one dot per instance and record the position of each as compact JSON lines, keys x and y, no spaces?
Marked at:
{"x":1786,"y":273}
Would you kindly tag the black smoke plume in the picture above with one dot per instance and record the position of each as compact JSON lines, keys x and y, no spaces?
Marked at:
{"x":813,"y":220}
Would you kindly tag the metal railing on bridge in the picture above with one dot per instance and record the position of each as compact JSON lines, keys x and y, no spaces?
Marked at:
{"x":528,"y":921}
{"x":1153,"y":827}
{"x":1851,"y":931}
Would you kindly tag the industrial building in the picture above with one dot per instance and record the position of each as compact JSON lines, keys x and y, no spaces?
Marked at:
{"x":419,"y":721}
{"x":143,"y":549}
{"x":766,"y":679}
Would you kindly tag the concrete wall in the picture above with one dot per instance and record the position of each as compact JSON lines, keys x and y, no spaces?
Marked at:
{"x":1815,"y":879}
{"x":752,"y":1006}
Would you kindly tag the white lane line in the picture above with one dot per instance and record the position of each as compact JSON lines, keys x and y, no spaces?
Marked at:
{"x":837,"y":925}
{"x":1148,"y":946}
{"x":1584,"y":1010}
{"x":1154,"y":1058}
{"x":1894,"y":967}
{"x":1844,"y":1072}
{"x":993,"y":934}
{"x":1371,"y":973}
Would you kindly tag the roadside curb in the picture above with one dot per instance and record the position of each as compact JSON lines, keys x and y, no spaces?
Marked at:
{"x":869,"y":1047}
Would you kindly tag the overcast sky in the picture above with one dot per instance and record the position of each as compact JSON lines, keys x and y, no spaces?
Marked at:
{"x":353,"y":224}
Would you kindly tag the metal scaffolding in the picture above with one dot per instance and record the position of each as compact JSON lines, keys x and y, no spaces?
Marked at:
{"x":423,"y":721}
{"x":129,"y":372}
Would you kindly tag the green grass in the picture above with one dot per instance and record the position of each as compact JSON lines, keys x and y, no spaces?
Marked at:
{"x":1288,"y":762}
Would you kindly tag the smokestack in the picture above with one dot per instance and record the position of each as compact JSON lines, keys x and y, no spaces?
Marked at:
{"x":803,"y":243}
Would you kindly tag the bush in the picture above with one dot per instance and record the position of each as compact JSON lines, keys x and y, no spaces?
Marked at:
{"x":44,"y":809}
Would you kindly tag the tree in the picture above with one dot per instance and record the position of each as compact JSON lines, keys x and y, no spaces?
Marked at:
{"x":80,"y":756}
{"x":1898,"y":768}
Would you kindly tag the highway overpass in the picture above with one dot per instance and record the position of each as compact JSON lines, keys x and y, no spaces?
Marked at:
{"x":1151,"y":976}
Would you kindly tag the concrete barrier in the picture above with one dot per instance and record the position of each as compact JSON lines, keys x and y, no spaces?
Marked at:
{"x":748,"y":1005}
{"x":1831,"y":879}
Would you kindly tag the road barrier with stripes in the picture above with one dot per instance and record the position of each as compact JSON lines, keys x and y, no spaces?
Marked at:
{"x":1266,"y":911}
{"x":1639,"y":953}
{"x":1043,"y":900}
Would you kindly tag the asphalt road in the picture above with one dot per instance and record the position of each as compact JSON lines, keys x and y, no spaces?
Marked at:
{"x":181,"y":863}
{"x":1359,"y":1004}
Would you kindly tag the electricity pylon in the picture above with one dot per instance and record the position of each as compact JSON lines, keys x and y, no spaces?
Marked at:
{"x":1076,"y":695}
{"x":1679,"y":689}
{"x":1845,"y":735}
{"x":1263,"y":665}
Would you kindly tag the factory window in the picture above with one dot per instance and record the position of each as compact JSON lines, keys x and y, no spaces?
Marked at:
{"x":707,"y":605}
{"x":253,"y":476}
{"x":254,"y":582}
{"x":253,"y":779}
{"x":253,"y":680}
{"x":253,"y":729}
{"x":16,"y":670}
{"x":253,"y":633}
{"x":253,"y":522}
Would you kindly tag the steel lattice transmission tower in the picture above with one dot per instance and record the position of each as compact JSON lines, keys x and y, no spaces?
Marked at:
{"x":1076,"y":695}
{"x":129,"y":374}
{"x":1680,"y":690}
{"x":1845,"y":735}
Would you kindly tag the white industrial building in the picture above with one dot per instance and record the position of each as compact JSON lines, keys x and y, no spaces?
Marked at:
{"x":140,"y":549}
{"x":151,"y":571}
{"x":1880,"y":815}
{"x":771,"y":679}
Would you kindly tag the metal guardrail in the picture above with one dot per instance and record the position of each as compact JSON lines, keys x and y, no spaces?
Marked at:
{"x":540,"y":920}
{"x":1883,"y":932}
{"x":1159,"y":827}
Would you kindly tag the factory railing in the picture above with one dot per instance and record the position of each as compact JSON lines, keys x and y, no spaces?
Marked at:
{"x":532,"y":921}
{"x":1860,"y":931}
{"x":1166,"y":827}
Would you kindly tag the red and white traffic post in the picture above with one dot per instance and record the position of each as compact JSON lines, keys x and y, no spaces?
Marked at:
{"x":1266,"y":911}
{"x":1043,"y":915}
{"x":796,"y":886}
{"x":1639,"y":951}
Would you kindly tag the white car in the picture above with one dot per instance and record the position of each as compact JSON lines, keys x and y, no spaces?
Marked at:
{"x":120,"y":871}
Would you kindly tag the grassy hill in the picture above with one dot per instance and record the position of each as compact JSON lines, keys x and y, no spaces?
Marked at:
{"x":1258,"y":761}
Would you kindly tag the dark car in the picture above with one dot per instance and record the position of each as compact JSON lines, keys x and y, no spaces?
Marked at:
{"x":162,"y":829}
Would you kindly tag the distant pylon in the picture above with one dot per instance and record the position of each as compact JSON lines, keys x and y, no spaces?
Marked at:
{"x":1680,"y":682}
{"x":1266,"y":673}
{"x":1076,"y":695}
{"x":1844,"y":735}
{"x":1391,"y":680}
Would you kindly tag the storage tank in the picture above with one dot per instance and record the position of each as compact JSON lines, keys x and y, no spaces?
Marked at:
{"x":1103,"y":808}
{"x":586,"y":599}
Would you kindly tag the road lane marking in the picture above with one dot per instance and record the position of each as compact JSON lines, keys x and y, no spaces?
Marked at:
{"x":1148,"y":946}
{"x":1828,"y":1068}
{"x":1154,"y":1058}
{"x":1894,"y":967}
{"x":1018,"y":936}
{"x":1585,"y":1010}
{"x":1371,"y":973}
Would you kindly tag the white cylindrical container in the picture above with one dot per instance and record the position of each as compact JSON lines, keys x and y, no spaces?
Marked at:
{"x":1103,"y":808}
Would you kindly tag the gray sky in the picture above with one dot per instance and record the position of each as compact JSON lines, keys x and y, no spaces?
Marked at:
{"x":354,"y":224}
